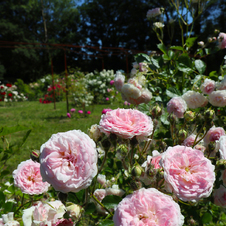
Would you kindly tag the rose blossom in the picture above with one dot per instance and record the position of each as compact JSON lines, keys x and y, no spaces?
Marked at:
{"x":220,"y":196}
{"x":115,"y":190}
{"x":218,"y":98}
{"x":94,"y":132}
{"x":207,"y":86}
{"x":129,"y":90}
{"x":154,"y":12}
{"x":188,"y":173}
{"x":119,"y":80}
{"x":101,"y":179}
{"x":105,"y":110}
{"x":126,"y":123}
{"x":194,"y":99}
{"x":27,"y":177}
{"x":189,"y":141}
{"x":148,"y":207}
{"x":69,"y":161}
{"x":213,"y":134}
{"x":221,"y":146}
{"x":222,"y":85}
{"x":177,"y":106}
{"x":43,"y":214}
{"x":222,"y":40}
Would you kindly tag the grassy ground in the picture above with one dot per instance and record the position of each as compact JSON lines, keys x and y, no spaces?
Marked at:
{"x":44,"y":121}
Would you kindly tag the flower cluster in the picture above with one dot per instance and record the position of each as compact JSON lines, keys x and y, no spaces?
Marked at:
{"x":9,"y":93}
{"x":134,"y":91}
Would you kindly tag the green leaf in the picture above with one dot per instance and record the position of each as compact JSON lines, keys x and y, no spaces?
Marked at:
{"x":190,"y":42}
{"x":170,"y":54}
{"x":184,"y":63}
{"x":8,"y":207}
{"x":177,"y":48}
{"x":141,"y":57}
{"x":25,"y":138}
{"x":200,"y":66}
{"x":162,"y":47}
{"x":13,"y":129}
{"x":164,"y":119}
{"x":213,"y":75}
{"x":155,"y":62}
{"x":106,"y":223}
{"x":111,"y":201}
{"x":165,"y":57}
{"x":206,"y":218}
{"x":90,"y":208}
{"x":2,"y":198}
{"x":173,"y":92}
{"x":145,"y":108}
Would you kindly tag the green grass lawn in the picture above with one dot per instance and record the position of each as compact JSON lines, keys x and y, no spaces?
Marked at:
{"x":44,"y":121}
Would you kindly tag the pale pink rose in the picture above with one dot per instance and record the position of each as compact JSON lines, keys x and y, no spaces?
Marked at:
{"x":143,"y":67}
{"x":189,"y":141}
{"x":115,"y":190}
{"x":177,"y":106}
{"x":200,"y":147}
{"x":222,"y":84}
{"x":129,"y":90}
{"x":148,"y":207}
{"x":69,"y":161}
{"x":126,"y":123}
{"x":219,"y":196}
{"x":207,"y":86}
{"x":145,"y":97}
{"x":194,"y":99}
{"x":8,"y":220}
{"x":101,"y":179}
{"x":156,"y":159}
{"x":222,"y":40}
{"x":119,"y":80}
{"x":100,"y":194}
{"x":221,"y":146}
{"x":188,"y":173}
{"x":135,"y":82}
{"x":213,"y":134}
{"x":27,"y":177}
{"x":154,"y":12}
{"x":218,"y":98}
{"x":43,"y":214}
{"x":135,"y":65}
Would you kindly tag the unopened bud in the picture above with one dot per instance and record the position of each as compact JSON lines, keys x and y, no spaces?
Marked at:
{"x":35,"y":155}
{"x":137,"y":171}
{"x":210,"y":39}
{"x":135,"y":185}
{"x":182,"y":134}
{"x":151,"y":172}
{"x":74,"y":211}
{"x":189,"y":116}
{"x":209,"y":115}
{"x":216,"y":31}
{"x":201,"y":43}
{"x":221,"y":164}
{"x":156,"y":112}
{"x":95,"y":133}
{"x":172,"y":118}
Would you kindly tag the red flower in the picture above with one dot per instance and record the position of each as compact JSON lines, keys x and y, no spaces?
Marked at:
{"x":10,"y":94}
{"x":9,"y":85}
{"x":2,"y":87}
{"x":3,"y":93}
{"x":40,"y":100}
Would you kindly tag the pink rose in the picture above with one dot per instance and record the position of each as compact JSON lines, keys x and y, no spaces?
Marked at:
{"x":189,"y":141}
{"x":194,"y":99}
{"x":148,"y":207}
{"x":218,"y":98}
{"x":107,"y":98}
{"x":126,"y":123}
{"x":115,"y":190}
{"x":72,"y":110}
{"x":208,"y":86}
{"x":100,"y":194}
{"x":80,"y":111}
{"x":222,"y":40}
{"x":43,"y":213}
{"x":105,"y":110}
{"x":88,"y":112}
{"x":69,"y":161}
{"x":68,"y":115}
{"x":64,"y":222}
{"x":101,"y":179}
{"x":119,"y":80}
{"x":220,"y":196}
{"x":112,"y":82}
{"x":213,"y":134}
{"x":154,"y":12}
{"x":221,"y":145}
{"x":177,"y":106}
{"x":188,"y":173}
{"x":27,"y":177}
{"x":222,"y":84}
